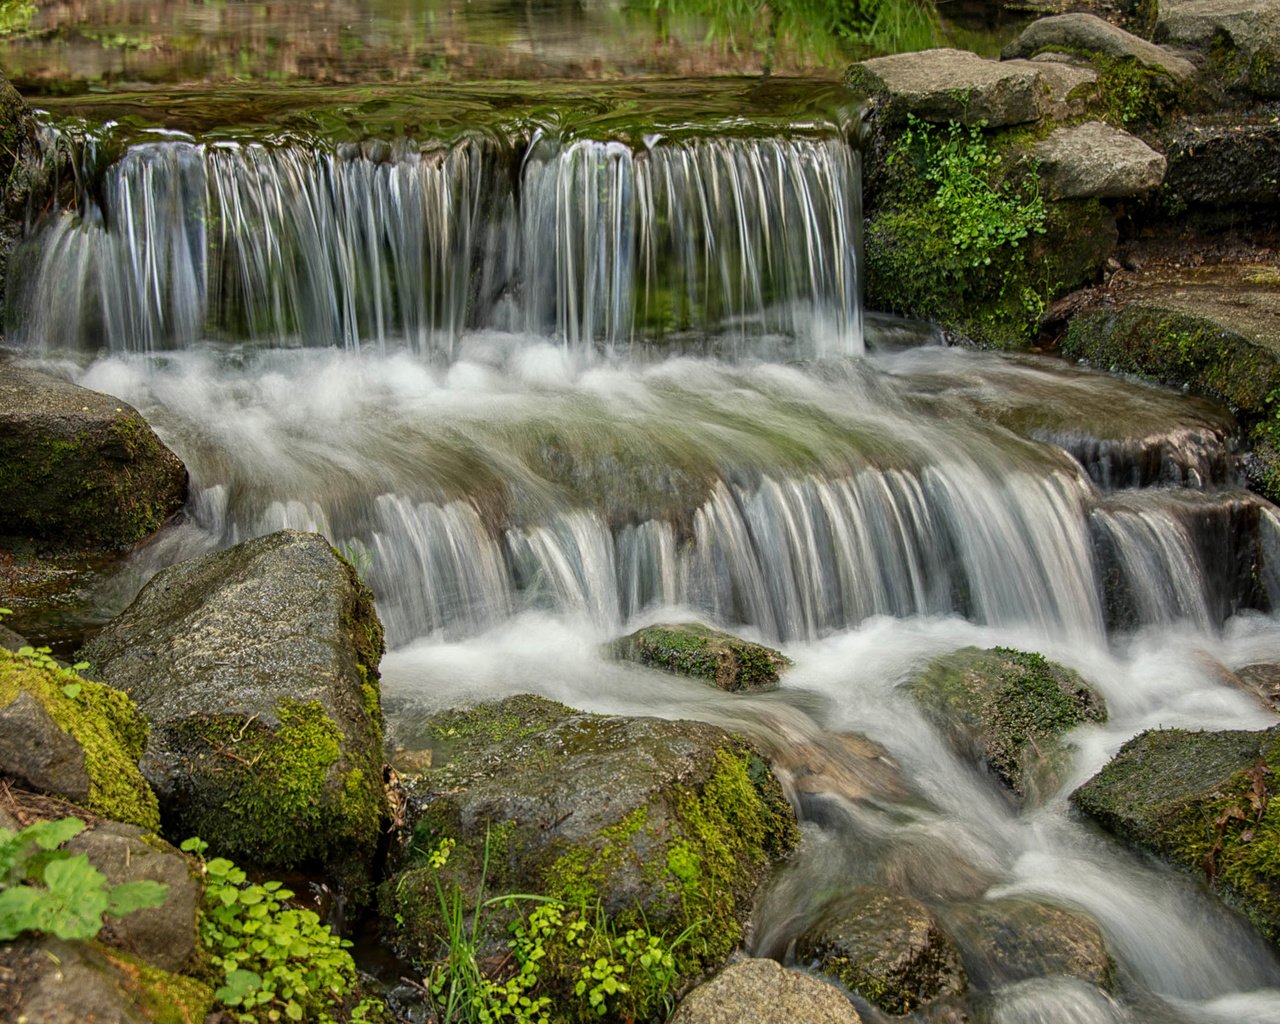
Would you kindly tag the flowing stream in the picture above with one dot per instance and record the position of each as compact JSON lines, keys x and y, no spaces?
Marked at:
{"x":543,"y":387}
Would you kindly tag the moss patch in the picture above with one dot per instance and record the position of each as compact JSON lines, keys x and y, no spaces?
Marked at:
{"x":104,"y":722}
{"x":692,"y":649}
{"x":160,"y":997}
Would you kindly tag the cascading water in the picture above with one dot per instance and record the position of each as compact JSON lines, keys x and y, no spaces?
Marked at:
{"x":449,"y":359}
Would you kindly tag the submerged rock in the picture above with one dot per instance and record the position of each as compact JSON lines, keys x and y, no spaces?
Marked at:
{"x":258,"y":669}
{"x":887,"y":947}
{"x":1011,"y":939}
{"x":78,"y":468}
{"x":68,"y":737}
{"x":764,"y":992}
{"x":664,"y":826}
{"x":692,"y":649}
{"x":1208,"y":802}
{"x":1095,"y":161}
{"x":1007,"y":710}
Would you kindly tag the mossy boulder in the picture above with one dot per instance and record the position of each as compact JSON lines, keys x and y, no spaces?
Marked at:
{"x":1087,"y":34}
{"x":1208,"y":802}
{"x":1239,"y":38}
{"x":79,"y":469}
{"x":692,"y":649}
{"x":888,"y":948}
{"x":765,"y":992}
{"x":664,"y":826}
{"x":258,"y":669}
{"x":66,"y":736}
{"x":1007,"y":710}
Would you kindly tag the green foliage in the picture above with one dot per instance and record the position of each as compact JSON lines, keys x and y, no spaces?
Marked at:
{"x":50,"y":890}
{"x":277,"y":962}
{"x":15,"y":16}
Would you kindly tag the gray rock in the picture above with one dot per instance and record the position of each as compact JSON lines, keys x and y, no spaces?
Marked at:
{"x":764,"y":992}
{"x":78,"y":468}
{"x":1240,"y":37}
{"x":1011,"y":939}
{"x":1069,"y":90}
{"x":37,"y":753}
{"x":164,"y":936}
{"x":953,"y":85}
{"x":10,"y":640}
{"x":1223,"y":163}
{"x":725,"y":661}
{"x":1075,"y":33}
{"x":1263,"y":680}
{"x":1095,"y":161}
{"x":257,"y":667}
{"x":889,"y":948}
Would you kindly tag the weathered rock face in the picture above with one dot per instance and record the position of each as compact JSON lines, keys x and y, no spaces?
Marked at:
{"x":1087,"y":33}
{"x":1240,"y":37}
{"x":764,"y":992}
{"x":1208,"y":802}
{"x":68,"y":737}
{"x":664,"y":825}
{"x":257,"y":667}
{"x":1007,"y":710}
{"x":1263,"y":680}
{"x":77,"y":468}
{"x":1095,"y":161}
{"x":1223,"y":163}
{"x":692,"y":649}
{"x":887,"y":947}
{"x":1011,"y":939}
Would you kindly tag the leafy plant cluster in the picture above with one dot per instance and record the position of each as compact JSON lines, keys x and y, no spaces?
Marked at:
{"x":570,"y":960}
{"x":52,"y":891}
{"x":277,"y":962}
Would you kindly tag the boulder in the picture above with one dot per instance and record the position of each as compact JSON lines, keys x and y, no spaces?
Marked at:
{"x":56,"y":982}
{"x":664,"y":826}
{"x":1080,"y":33}
{"x":258,"y":669}
{"x":1241,"y":38}
{"x":11,"y":641}
{"x":78,"y":468}
{"x":1012,"y":939}
{"x":1208,"y":802}
{"x":952,"y":85}
{"x":1095,"y":161}
{"x":1263,"y":680}
{"x":1007,"y":710}
{"x":888,"y":948}
{"x":692,"y":649}
{"x":75,"y":739}
{"x":764,"y":992}
{"x":1068,"y":89}
{"x":1222,"y":163}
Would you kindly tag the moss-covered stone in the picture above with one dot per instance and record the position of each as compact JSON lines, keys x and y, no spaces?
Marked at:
{"x":1008,"y":710}
{"x":1208,"y":802}
{"x":692,"y":649}
{"x":102,"y":723}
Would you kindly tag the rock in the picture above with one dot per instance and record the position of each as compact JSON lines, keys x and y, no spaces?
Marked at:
{"x":1007,"y":710}
{"x":78,"y":468}
{"x":663,"y":825}
{"x":952,"y":85}
{"x":1095,"y":161}
{"x":1208,"y":802}
{"x":1222,"y":163}
{"x":163,"y":936}
{"x":11,"y":641}
{"x":692,"y":649}
{"x":258,"y":669}
{"x":888,"y":948}
{"x":82,"y":744}
{"x":1011,"y":939}
{"x":1240,"y":37}
{"x":55,"y":982}
{"x":764,"y":992}
{"x":1264,"y":680}
{"x":1087,"y":33}
{"x":1069,"y":90}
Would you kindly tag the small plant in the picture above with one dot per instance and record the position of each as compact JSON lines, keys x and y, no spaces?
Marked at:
{"x":55,"y":892}
{"x":277,"y":962}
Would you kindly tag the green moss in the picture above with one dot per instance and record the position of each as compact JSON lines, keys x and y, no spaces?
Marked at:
{"x":692,"y":649}
{"x":1133,"y":93}
{"x":107,"y":726}
{"x":579,"y":876}
{"x":161,"y":997}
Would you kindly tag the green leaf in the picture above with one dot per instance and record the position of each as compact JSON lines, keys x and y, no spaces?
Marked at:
{"x":72,"y":690}
{"x":77,"y":899}
{"x":127,"y":897}
{"x":49,"y":835}
{"x":19,"y":911}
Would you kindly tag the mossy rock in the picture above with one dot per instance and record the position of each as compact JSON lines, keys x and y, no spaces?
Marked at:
{"x":258,"y":668}
{"x":1208,"y":802}
{"x":72,"y":738}
{"x":78,"y":468}
{"x":661,"y":825}
{"x":692,"y":649}
{"x":1008,"y":710}
{"x":887,"y":947}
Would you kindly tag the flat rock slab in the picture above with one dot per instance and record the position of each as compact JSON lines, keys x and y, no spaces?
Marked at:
{"x":1241,"y":38}
{"x":953,"y":85}
{"x":1074,"y":33}
{"x":1095,"y":161}
{"x":764,"y":992}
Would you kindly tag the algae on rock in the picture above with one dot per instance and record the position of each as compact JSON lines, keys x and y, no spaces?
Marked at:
{"x":692,"y":649}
